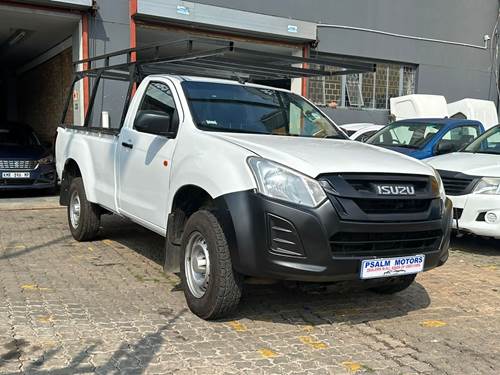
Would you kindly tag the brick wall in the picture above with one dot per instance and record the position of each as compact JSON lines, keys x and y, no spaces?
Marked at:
{"x":42,"y":93}
{"x":324,"y":90}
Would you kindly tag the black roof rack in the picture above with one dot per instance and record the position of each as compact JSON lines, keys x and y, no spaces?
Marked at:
{"x":217,"y":59}
{"x":204,"y":57}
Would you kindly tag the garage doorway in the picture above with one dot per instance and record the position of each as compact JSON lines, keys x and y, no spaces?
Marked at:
{"x":36,"y":50}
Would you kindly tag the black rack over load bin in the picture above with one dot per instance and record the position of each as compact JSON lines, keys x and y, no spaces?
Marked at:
{"x":207,"y":58}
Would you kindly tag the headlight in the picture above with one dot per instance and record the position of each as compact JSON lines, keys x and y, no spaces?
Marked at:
{"x":46,"y":160}
{"x":277,"y":181}
{"x":488,"y":185}
{"x":439,"y":181}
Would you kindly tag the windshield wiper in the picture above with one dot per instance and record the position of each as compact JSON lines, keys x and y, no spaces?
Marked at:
{"x":393,"y":145}
{"x":335,"y":137}
{"x":404,"y":146}
{"x":487,"y":152}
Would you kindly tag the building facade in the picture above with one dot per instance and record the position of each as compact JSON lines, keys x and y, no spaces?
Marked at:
{"x":445,"y":47}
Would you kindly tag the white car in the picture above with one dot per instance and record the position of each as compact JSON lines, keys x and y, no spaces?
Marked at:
{"x":248,"y":180}
{"x":361,"y":131}
{"x":472,"y":181}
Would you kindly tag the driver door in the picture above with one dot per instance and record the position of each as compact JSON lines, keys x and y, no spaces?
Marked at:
{"x":144,"y":160}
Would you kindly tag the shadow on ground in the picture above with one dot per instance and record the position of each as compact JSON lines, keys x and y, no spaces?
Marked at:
{"x":476,"y":245}
{"x":132,"y":356}
{"x":12,"y":251}
{"x":133,"y":237}
{"x":281,"y":304}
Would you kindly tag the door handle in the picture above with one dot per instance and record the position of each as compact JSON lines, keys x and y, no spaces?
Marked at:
{"x":127,"y":145}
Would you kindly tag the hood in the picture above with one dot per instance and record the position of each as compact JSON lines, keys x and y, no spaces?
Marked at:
{"x":22,"y":152}
{"x":483,"y":165}
{"x":315,"y":156}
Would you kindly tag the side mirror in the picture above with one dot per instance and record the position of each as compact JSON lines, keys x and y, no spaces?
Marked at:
{"x":157,"y":122}
{"x":444,"y":148}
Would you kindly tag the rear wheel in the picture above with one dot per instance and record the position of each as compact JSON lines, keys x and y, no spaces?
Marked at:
{"x":84,"y":217}
{"x":211,"y":286}
{"x":398,"y":284}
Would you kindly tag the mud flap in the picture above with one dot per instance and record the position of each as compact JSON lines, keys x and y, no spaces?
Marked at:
{"x":172,"y":245}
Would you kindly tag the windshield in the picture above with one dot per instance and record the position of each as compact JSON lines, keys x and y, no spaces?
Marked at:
{"x":17,"y":137}
{"x":350,"y":132}
{"x":246,"y":109}
{"x":405,"y":134}
{"x":488,"y":143}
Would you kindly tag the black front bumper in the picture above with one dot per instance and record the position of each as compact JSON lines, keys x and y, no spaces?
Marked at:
{"x":42,"y":177}
{"x":281,"y":241}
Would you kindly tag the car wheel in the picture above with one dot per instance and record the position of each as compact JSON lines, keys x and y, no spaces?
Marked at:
{"x":84,"y":217}
{"x":395,"y":285}
{"x":211,"y":286}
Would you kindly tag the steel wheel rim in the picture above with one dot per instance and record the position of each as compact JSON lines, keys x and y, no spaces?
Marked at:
{"x":197,"y":264}
{"x":74,"y":209}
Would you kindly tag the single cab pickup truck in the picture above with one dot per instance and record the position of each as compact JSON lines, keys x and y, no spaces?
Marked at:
{"x":248,"y":180}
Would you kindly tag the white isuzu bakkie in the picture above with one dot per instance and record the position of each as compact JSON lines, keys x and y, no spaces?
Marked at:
{"x":472,"y":181}
{"x":248,"y":180}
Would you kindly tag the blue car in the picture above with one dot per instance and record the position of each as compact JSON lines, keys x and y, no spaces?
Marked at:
{"x":24,"y":162}
{"x":425,"y":138}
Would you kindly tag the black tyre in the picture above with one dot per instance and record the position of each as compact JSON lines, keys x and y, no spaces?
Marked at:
{"x":395,"y":285}
{"x":84,"y":217}
{"x":211,"y":286}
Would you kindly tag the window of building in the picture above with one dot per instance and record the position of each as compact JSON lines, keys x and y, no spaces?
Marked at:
{"x":365,"y":90}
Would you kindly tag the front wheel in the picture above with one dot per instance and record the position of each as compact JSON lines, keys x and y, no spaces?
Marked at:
{"x":84,"y":217}
{"x":211,"y":286}
{"x":395,"y":285}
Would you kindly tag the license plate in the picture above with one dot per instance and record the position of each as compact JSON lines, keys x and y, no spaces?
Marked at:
{"x":15,"y":175}
{"x":387,"y":267}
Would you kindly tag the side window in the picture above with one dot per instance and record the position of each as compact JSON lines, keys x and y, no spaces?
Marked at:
{"x":461,"y":136}
{"x":305,"y":121}
{"x":493,"y":142}
{"x":158,"y":98}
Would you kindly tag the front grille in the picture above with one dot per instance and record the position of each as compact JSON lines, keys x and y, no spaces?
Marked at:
{"x":456,"y":186}
{"x":358,"y":197}
{"x":457,"y":183}
{"x":393,"y":206}
{"x":17,"y":164}
{"x":384,"y":244}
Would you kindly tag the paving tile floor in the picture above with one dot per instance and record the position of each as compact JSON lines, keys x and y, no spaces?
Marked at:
{"x":106,"y":307}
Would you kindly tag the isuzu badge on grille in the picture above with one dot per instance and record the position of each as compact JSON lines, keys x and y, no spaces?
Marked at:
{"x":395,"y":189}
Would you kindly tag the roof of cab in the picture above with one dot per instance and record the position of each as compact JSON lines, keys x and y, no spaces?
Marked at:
{"x":215,"y":80}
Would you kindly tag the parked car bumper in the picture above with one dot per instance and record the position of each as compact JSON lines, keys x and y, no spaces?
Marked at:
{"x":472,"y":213}
{"x":42,"y":177}
{"x":282,"y":241}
